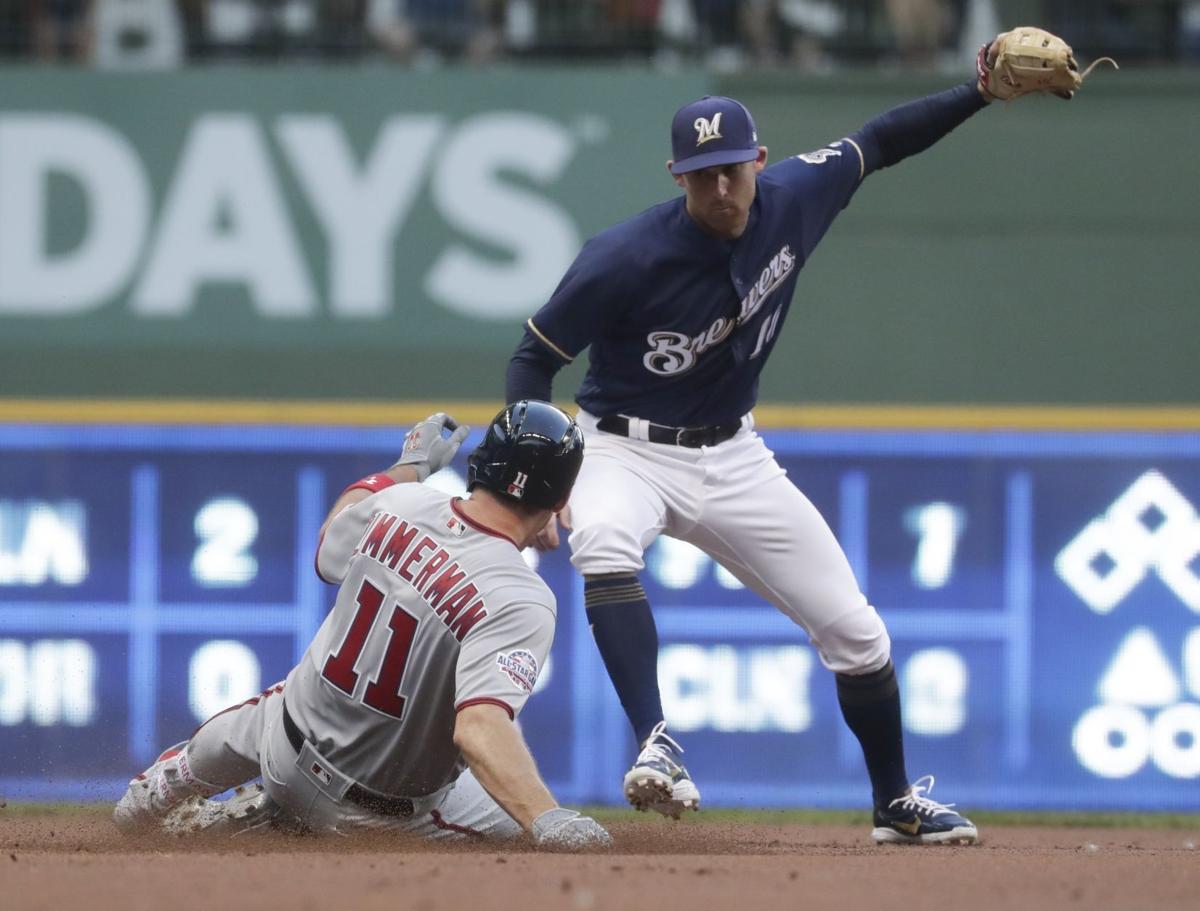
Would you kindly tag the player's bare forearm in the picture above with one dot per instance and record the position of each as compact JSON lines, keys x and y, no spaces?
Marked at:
{"x":497,"y":754}
{"x":401,"y":474}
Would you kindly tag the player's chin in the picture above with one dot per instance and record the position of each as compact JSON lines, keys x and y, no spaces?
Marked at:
{"x":727,"y":222}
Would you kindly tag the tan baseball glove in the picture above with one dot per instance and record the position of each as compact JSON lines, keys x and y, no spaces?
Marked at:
{"x":1028,"y":60}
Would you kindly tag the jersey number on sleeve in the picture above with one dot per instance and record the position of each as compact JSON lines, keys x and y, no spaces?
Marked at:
{"x":383,"y":693}
{"x":766,"y":332}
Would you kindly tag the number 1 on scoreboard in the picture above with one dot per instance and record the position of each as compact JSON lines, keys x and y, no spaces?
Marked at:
{"x":938,"y":526}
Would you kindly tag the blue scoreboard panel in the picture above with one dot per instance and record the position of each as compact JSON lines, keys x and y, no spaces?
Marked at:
{"x":1042,"y":591}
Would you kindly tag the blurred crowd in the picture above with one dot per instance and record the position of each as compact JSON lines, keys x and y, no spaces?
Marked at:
{"x":726,"y":35}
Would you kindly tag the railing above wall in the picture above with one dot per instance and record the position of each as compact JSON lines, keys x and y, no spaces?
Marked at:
{"x":817,"y":35}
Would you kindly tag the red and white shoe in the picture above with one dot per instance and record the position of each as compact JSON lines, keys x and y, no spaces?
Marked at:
{"x":150,"y":796}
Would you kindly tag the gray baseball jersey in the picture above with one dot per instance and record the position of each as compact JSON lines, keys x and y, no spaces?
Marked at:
{"x":435,"y":613}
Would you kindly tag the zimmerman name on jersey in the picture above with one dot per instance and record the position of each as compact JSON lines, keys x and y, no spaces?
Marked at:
{"x":409,"y":552}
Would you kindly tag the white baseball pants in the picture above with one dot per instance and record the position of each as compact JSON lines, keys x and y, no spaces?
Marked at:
{"x":735,"y":503}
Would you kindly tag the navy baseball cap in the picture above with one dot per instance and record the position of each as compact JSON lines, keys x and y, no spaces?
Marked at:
{"x":712,"y":131}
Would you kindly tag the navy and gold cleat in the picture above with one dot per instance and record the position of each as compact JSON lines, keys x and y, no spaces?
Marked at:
{"x":658,"y":781}
{"x":915,"y":819}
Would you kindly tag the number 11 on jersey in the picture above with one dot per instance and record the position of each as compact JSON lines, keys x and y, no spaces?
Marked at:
{"x":766,"y":332}
{"x":383,"y":693}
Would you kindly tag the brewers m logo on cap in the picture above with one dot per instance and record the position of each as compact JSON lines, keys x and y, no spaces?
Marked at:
{"x":712,"y":132}
{"x":708,"y":130}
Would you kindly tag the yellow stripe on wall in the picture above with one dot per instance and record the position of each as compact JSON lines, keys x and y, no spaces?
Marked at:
{"x":208,"y":411}
{"x":979,"y":417}
{"x":379,"y":414}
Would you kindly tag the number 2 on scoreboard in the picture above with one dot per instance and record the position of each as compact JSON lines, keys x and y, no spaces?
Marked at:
{"x":383,"y":693}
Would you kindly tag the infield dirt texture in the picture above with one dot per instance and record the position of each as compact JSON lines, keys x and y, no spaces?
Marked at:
{"x":76,"y":860}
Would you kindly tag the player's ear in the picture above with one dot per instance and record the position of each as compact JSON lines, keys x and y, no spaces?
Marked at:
{"x":678,"y":178}
{"x":761,"y":161}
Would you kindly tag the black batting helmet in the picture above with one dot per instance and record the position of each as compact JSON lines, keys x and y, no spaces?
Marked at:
{"x":531,"y":453}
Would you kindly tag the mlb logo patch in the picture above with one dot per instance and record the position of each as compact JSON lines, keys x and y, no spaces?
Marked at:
{"x":516,"y":489}
{"x":321,"y":773}
{"x":455,"y":527}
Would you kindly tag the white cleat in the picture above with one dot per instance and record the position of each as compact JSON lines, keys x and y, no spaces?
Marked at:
{"x":246,"y":809}
{"x":147,"y":800}
{"x":658,"y":781}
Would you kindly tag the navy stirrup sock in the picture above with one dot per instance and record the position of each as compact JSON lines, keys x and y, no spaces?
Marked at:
{"x":624,"y":629}
{"x":871,"y":706}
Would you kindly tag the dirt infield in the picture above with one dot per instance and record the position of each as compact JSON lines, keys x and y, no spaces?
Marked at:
{"x":77,"y":860}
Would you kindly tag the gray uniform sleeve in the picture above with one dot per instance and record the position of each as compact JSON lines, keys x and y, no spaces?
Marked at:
{"x":501,"y":658}
{"x":346,"y":531}
{"x":342,"y":537}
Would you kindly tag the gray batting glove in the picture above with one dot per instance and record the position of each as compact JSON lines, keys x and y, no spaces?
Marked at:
{"x":426,"y":450}
{"x":563,"y":828}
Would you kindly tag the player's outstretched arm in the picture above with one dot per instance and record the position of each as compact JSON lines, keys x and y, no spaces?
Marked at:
{"x":497,"y":754}
{"x":364,"y":487}
{"x":1020,"y":62}
{"x":426,"y":450}
{"x":913,"y":127}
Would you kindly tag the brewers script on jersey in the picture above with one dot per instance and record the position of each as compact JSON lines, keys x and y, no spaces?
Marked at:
{"x":680,"y":307}
{"x":703,"y":356}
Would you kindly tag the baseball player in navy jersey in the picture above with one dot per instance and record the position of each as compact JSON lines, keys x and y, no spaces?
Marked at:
{"x":679,"y":308}
{"x":400,"y":715}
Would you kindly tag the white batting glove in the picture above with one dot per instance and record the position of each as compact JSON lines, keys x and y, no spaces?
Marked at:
{"x":426,"y":450}
{"x":567,"y":829}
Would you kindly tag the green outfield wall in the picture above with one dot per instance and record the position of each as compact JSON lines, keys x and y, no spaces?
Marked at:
{"x":373,"y":233}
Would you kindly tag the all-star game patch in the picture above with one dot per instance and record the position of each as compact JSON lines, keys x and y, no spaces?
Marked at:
{"x":520,"y":667}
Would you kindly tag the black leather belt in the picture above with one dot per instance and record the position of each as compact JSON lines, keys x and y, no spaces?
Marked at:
{"x":356,"y":794}
{"x":691,"y":437}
